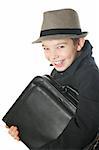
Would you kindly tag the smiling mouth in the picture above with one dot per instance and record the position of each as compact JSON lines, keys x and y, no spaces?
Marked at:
{"x":58,"y":63}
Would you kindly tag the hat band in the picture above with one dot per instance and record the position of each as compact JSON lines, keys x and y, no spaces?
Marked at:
{"x":60,"y":31}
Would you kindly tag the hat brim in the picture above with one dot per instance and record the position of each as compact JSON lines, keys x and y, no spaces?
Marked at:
{"x":60,"y":36}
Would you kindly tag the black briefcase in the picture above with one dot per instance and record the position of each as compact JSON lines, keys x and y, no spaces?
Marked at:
{"x":42,"y":111}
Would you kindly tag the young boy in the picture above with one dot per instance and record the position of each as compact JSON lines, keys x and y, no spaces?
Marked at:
{"x":71,"y":55}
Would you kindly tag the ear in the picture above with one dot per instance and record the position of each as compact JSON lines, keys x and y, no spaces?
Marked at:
{"x":80,"y":44}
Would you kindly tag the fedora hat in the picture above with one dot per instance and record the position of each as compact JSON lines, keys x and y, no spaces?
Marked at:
{"x":58,"y":24}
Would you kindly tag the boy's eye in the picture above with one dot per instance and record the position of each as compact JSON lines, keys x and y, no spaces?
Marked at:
{"x":61,"y":46}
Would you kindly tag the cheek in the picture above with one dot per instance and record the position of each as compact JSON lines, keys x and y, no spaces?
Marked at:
{"x":70,"y":56}
{"x":66,"y":55}
{"x":47,"y":55}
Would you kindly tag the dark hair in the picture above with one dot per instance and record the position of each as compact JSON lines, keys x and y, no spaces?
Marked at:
{"x":75,"y":40}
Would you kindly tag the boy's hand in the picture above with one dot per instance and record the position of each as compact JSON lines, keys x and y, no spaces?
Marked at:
{"x":13,"y":131}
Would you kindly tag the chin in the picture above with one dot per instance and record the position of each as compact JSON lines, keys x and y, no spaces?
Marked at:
{"x":63,"y":68}
{"x":60,"y":69}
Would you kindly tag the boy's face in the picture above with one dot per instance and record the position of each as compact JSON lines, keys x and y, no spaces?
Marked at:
{"x":60,"y":52}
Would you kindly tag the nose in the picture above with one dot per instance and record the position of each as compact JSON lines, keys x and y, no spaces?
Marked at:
{"x":54,"y":54}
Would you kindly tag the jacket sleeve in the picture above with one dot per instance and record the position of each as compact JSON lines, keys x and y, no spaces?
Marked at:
{"x":83,"y":127}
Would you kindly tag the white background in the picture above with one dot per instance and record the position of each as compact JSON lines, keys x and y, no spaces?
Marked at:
{"x":20,"y":61}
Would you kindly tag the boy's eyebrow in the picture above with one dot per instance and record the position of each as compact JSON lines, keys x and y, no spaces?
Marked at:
{"x":56,"y":44}
{"x":61,"y":43}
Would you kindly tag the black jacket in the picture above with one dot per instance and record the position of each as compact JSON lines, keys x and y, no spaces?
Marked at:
{"x":83,"y":75}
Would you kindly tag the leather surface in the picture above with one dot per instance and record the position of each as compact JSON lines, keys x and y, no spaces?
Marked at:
{"x":42,"y":111}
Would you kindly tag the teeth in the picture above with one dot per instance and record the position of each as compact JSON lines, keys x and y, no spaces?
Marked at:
{"x":58,"y":62}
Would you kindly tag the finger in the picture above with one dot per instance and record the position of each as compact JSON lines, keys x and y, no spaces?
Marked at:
{"x":16,"y":132}
{"x":13,"y":129}
{"x":16,"y":135}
